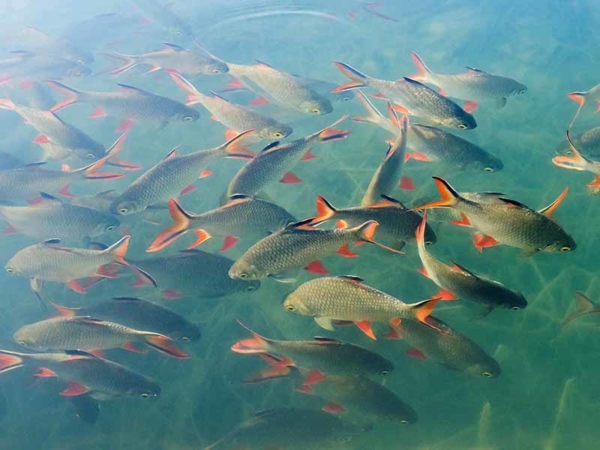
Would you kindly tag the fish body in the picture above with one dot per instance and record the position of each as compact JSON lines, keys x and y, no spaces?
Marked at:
{"x":53,"y":218}
{"x":458,"y":282}
{"x":346,"y":298}
{"x":35,"y":40}
{"x":275,"y":161}
{"x":235,"y":117}
{"x":586,"y":143}
{"x":297,"y":246}
{"x":289,"y":428}
{"x":130,"y":103}
{"x":172,"y":57}
{"x":474,"y":85}
{"x":53,"y":130}
{"x":241,"y":216}
{"x":509,"y":223}
{"x":412,"y":97}
{"x":162,"y":15}
{"x":194,"y":273}
{"x":88,"y":334}
{"x":40,"y":67}
{"x":170,"y":176}
{"x":281,"y":87}
{"x":397,"y":224}
{"x":388,"y":174}
{"x":326,"y":356}
{"x":449,"y":348}
{"x":85,"y":373}
{"x":576,"y":161}
{"x":139,"y":315}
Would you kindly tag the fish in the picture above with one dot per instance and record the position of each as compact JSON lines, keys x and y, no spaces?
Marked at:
{"x":473,"y":86}
{"x":8,"y":161}
{"x":587,"y":143}
{"x":411,"y":97}
{"x":241,"y":216}
{"x":38,"y":41}
{"x":275,"y":161}
{"x":85,"y":374}
{"x":282,"y":88}
{"x":583,"y":307}
{"x":576,"y":161}
{"x":236,"y":118}
{"x":137,"y":314}
{"x":25,"y":183}
{"x":89,"y":334}
{"x":346,"y":298}
{"x":172,"y":57}
{"x":299,"y":245}
{"x":34,"y":94}
{"x":396,"y":222}
{"x":450,"y":348}
{"x":452,"y":215}
{"x":40,"y":67}
{"x":162,"y":15}
{"x":53,"y":130}
{"x":321,"y":356}
{"x":55,"y":218}
{"x":131,"y":104}
{"x":360,"y":395}
{"x":173,"y":174}
{"x":508,"y":223}
{"x":289,"y":428}
{"x":581,"y":97}
{"x":193,"y":273}
{"x":91,"y":32}
{"x":50,"y":261}
{"x":425,"y":143}
{"x":457,"y":282}
{"x":388,"y":174}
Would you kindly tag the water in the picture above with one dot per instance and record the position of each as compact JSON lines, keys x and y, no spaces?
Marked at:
{"x":545,"y":396}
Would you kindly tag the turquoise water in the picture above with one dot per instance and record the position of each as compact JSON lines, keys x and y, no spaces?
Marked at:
{"x":546,"y":396}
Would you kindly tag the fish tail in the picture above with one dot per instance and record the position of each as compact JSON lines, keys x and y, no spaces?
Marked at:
{"x":424,"y":309}
{"x":366,"y":231}
{"x":71,"y":95}
{"x":181,"y":221}
{"x":420,"y":232}
{"x":129,"y":62}
{"x":373,"y":116}
{"x":583,"y":307}
{"x":277,"y":369}
{"x":423,"y":72}
{"x":90,"y":172}
{"x":255,"y":344}
{"x":576,"y":161}
{"x":10,"y":360}
{"x":325,"y":211}
{"x":449,"y":196}
{"x":330,"y":133}
{"x":164,"y":345}
{"x":359,"y":79}
{"x":6,"y":103}
{"x":63,"y":311}
{"x":234,"y":149}
{"x":193,"y":94}
{"x":118,"y":251}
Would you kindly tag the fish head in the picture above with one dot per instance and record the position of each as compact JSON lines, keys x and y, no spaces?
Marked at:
{"x":489,"y":164}
{"x":187,"y":115}
{"x":430,"y":236}
{"x":488,"y":368}
{"x":125,"y":207}
{"x":78,"y":71}
{"x":294,"y":302}
{"x":216,"y":67}
{"x":190,"y":333}
{"x":245,"y":270}
{"x":564,"y":244}
{"x":148,"y":389}
{"x":518,"y":89}
{"x":17,"y":265}
{"x":316,"y":106}
{"x":464,"y":121}
{"x":23,"y":337}
{"x":515,"y":301}
{"x":249,"y":285}
{"x":276,"y":132}
{"x":107,"y":224}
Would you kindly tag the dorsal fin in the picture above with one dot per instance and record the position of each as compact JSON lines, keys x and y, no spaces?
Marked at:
{"x":172,"y":154}
{"x":303,"y":225}
{"x":326,"y":339}
{"x":474,"y":70}
{"x":387,"y":201}
{"x":463,"y":269}
{"x":86,"y":319}
{"x":52,"y":241}
{"x":240,"y":196}
{"x":173,"y":47}
{"x":236,"y":199}
{"x":51,"y":198}
{"x":410,"y":80}
{"x":510,"y":201}
{"x":548,"y":211}
{"x":133,"y":88}
{"x":262,"y":63}
{"x":127,"y":299}
{"x":79,"y":353}
{"x":353,"y":278}
{"x":271,"y":146}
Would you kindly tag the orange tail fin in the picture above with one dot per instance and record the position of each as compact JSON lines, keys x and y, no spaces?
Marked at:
{"x":9,"y":361}
{"x":255,"y":344}
{"x":449,"y":196}
{"x":325,"y":211}
{"x":425,"y":308}
{"x":71,"y":95}
{"x":63,"y":311}
{"x":366,"y":231}
{"x":165,"y":345}
{"x":118,"y":251}
{"x":181,"y":221}
{"x":330,"y":133}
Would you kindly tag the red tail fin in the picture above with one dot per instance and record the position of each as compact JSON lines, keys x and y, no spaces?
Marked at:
{"x":181,"y":221}
{"x":71,"y":95}
{"x":449,"y":195}
{"x":9,"y":361}
{"x":63,"y":311}
{"x":255,"y":344}
{"x":325,"y":211}
{"x":119,"y":249}
{"x":164,"y":345}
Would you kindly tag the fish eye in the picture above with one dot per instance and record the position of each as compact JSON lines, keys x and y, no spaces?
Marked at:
{"x":404,"y":422}
{"x":9,"y":270}
{"x":185,"y":338}
{"x":487,"y":374}
{"x":123,"y":210}
{"x":515,"y":308}
{"x":277,"y":135}
{"x":428,"y":242}
{"x":23,"y":343}
{"x":250,"y":288}
{"x":178,"y":33}
{"x":188,"y":118}
{"x":346,"y":99}
{"x":522,"y":91}
{"x":569,"y":152}
{"x":110,"y":228}
{"x":216,"y":70}
{"x":144,"y":395}
{"x":566,"y":248}
{"x":316,"y":110}
{"x":290,"y":307}
{"x":384,"y":372}
{"x":90,"y":156}
{"x":462,"y":126}
{"x":489,"y":169}
{"x":243,"y":275}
